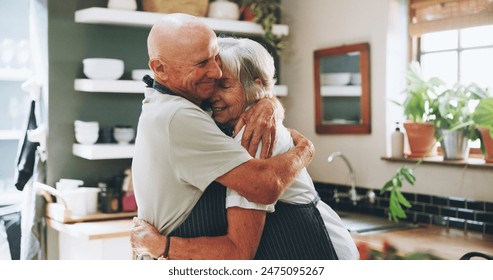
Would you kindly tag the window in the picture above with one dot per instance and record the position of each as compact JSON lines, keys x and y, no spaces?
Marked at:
{"x":453,"y":40}
{"x":461,"y":55}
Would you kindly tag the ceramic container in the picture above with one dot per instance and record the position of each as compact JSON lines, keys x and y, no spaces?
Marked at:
{"x":224,"y":9}
{"x":335,"y":79}
{"x":103,"y":68}
{"x":122,"y":4}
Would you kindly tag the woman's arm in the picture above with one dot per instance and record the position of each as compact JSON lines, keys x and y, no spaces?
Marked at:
{"x":264,"y":180}
{"x":244,"y":231}
{"x":260,"y":125}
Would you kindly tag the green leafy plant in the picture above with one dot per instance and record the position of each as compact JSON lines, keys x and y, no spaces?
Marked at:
{"x":452,"y":108}
{"x":397,"y":199}
{"x":266,"y":14}
{"x":483,"y":114}
{"x":420,"y":93}
{"x":483,"y":117}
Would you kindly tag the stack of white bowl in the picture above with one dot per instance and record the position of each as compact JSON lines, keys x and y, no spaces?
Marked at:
{"x":86,"y":132}
{"x":123,"y":134}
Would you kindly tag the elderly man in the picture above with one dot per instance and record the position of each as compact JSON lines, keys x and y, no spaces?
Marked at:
{"x":179,"y":150}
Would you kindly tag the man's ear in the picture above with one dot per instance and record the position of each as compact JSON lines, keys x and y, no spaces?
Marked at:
{"x":158,"y":68}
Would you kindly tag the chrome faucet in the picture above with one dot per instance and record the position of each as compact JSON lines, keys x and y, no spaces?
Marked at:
{"x":352,"y":193}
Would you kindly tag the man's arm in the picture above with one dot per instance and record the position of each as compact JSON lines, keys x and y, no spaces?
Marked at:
{"x":260,"y":124}
{"x":241,"y":242}
{"x":264,"y":180}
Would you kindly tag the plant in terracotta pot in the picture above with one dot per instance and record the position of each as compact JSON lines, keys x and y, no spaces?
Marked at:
{"x":420,"y":94}
{"x":483,"y":119}
{"x":265,"y":13}
{"x":453,"y":119}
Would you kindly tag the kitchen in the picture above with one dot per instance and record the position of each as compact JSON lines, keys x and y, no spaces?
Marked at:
{"x":312,"y":25}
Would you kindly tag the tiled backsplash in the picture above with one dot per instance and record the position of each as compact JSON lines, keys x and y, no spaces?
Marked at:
{"x":455,"y":212}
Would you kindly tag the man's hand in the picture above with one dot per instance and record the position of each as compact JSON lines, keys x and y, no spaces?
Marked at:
{"x":146,"y":240}
{"x":299,"y":139}
{"x":260,"y":124}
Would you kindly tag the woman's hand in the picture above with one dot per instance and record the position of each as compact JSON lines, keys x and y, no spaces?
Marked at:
{"x":146,"y":240}
{"x":260,"y":124}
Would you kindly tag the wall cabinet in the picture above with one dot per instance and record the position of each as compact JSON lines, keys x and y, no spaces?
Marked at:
{"x":107,"y":16}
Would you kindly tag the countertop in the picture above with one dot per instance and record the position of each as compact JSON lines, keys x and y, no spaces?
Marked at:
{"x":440,"y":241}
{"x":445,"y":243}
{"x":94,"y":230}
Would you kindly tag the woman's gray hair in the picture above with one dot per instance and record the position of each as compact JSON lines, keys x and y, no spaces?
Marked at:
{"x":248,"y":60}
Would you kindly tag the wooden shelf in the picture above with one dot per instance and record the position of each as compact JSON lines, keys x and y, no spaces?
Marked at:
{"x":147,"y":19}
{"x":10,"y":134}
{"x":8,"y":74}
{"x":103,"y":151}
{"x":438,"y":160}
{"x":131,"y":86}
{"x":341,"y":91}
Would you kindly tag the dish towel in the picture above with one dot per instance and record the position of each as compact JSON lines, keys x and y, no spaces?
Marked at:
{"x":27,"y":153}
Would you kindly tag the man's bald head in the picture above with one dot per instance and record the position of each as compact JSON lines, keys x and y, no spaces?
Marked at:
{"x":183,"y":55}
{"x":173,"y":32}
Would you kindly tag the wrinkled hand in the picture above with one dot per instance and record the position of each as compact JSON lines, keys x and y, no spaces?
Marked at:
{"x":146,"y":240}
{"x":260,"y":125}
{"x":299,"y":139}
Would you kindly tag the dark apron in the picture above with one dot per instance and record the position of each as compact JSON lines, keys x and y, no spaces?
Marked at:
{"x":292,"y":232}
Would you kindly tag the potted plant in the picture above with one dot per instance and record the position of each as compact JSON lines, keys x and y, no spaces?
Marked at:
{"x":453,"y":119}
{"x":449,"y":111}
{"x":265,"y":13}
{"x":483,"y":119}
{"x":420,"y":94}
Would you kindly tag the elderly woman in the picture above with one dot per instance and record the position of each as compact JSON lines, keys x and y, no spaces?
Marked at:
{"x":298,"y":226}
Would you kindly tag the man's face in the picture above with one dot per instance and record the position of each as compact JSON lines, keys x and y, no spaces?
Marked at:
{"x":196,"y":68}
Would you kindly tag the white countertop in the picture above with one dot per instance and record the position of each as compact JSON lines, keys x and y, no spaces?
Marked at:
{"x":94,"y":230}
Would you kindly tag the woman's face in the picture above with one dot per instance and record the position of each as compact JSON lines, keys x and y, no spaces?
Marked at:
{"x":228,"y":102}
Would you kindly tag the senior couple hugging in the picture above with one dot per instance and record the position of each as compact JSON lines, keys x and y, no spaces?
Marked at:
{"x":234,"y":186}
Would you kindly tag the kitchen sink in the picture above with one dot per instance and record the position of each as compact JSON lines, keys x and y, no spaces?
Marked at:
{"x":361,"y":223}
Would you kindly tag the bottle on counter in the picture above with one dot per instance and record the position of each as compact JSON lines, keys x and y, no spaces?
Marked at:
{"x":110,"y":199}
{"x":397,"y":142}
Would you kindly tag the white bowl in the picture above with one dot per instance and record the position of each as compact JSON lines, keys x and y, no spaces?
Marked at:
{"x":335,"y":79}
{"x":103,"y":68}
{"x":356,"y":78}
{"x":78,"y":123}
{"x":138,"y":74}
{"x":123,"y":135}
{"x":224,"y":10}
{"x":86,"y":138}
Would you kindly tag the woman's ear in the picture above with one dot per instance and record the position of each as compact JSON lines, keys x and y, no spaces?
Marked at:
{"x":258,"y":81}
{"x":158,"y":68}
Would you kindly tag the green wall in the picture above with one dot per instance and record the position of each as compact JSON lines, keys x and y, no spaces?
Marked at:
{"x":68,"y":44}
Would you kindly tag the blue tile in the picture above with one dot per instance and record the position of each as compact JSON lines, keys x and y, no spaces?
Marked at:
{"x":423,"y":198}
{"x":424,"y":218}
{"x":475,"y":205}
{"x":456,"y":223}
{"x":488,"y":228}
{"x":439,"y":200}
{"x":448,"y":212}
{"x":488,"y":206}
{"x":466,"y":214}
{"x":457,"y":202}
{"x":431,"y":209}
{"x":484,"y":217}
{"x":440,"y":220}
{"x":411,"y":197}
{"x":475,"y":226}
